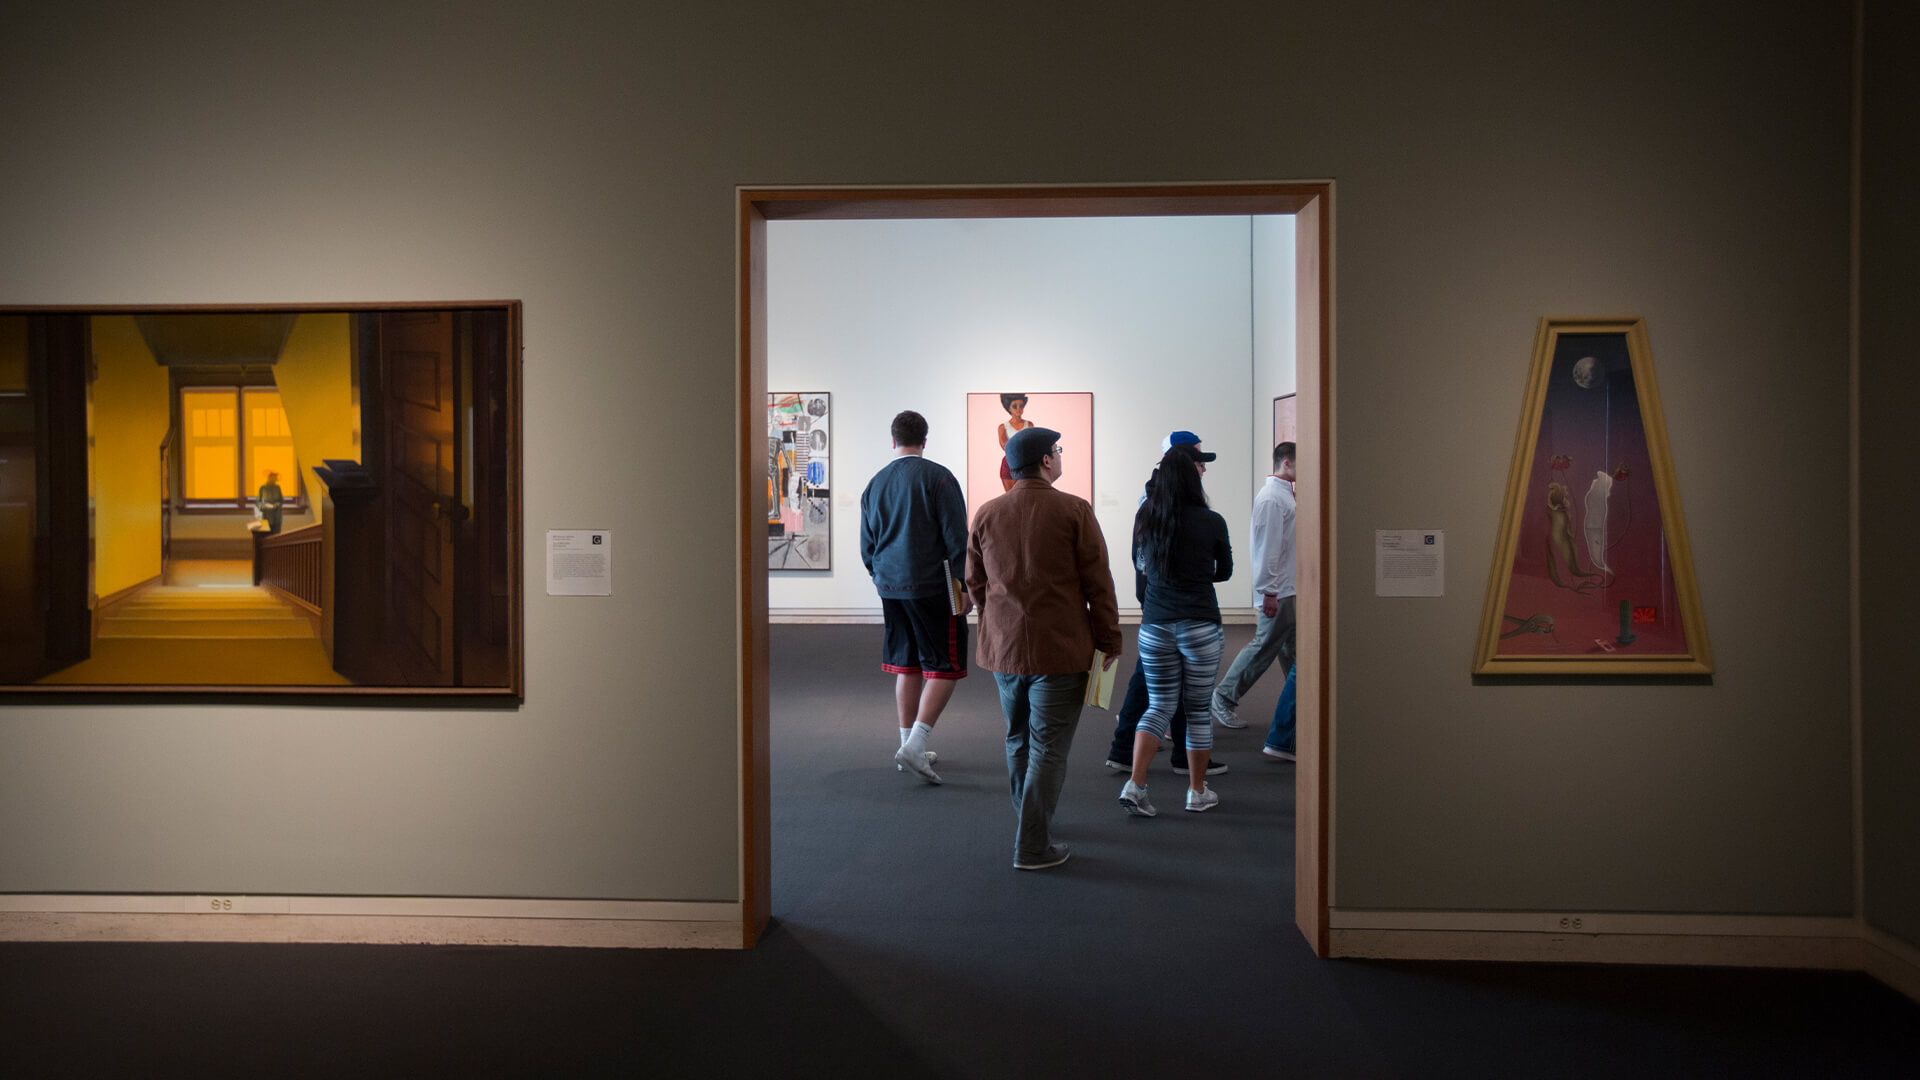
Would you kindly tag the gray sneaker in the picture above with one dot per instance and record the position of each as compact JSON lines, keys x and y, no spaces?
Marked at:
{"x":1224,"y":714}
{"x":921,"y":763}
{"x":1204,"y":799}
{"x":1134,"y":798}
{"x":1055,"y":855}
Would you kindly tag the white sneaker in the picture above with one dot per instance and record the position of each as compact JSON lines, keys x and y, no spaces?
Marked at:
{"x":932,"y":756}
{"x":1204,"y":799}
{"x":1134,"y":798}
{"x":921,"y":763}
{"x":1224,"y":714}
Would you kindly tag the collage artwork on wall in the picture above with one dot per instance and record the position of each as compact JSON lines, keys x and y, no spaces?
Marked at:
{"x":799,"y":506}
{"x":1593,"y":573}
{"x":995,"y":417}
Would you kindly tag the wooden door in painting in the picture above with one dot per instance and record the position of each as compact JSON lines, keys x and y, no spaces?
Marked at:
{"x":420,"y":359}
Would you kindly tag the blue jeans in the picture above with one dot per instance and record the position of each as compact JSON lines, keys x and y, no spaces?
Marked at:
{"x":1041,"y":712}
{"x":1273,"y":639}
{"x":1280,"y":735}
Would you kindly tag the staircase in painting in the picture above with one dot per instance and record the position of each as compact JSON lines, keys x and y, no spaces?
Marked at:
{"x":197,"y":612}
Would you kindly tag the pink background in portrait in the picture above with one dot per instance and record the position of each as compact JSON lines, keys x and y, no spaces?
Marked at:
{"x":1069,"y":414}
{"x":1597,"y":429}
{"x":1285,"y":428}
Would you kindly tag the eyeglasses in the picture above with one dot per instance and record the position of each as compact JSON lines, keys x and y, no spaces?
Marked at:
{"x":1055,"y":451}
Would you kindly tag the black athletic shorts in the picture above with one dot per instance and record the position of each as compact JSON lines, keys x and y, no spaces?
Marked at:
{"x":924,"y":637}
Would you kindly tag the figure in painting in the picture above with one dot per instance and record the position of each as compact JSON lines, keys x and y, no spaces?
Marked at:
{"x":269,"y":502}
{"x":1016,"y":422}
{"x":1560,"y":547}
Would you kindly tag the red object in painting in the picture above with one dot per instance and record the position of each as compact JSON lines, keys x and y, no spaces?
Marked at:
{"x":1646,"y":614}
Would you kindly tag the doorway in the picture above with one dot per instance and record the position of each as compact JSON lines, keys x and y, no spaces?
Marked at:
{"x":1310,"y":205}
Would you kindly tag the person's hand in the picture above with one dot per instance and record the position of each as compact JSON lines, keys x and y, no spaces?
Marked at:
{"x":966,"y":603}
{"x":1269,"y":605}
{"x":1112,"y":659}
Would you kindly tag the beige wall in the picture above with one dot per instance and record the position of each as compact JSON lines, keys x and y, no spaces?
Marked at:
{"x":1495,"y":163}
{"x":129,"y":420}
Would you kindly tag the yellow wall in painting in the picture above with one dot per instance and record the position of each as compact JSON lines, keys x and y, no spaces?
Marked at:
{"x":316,"y":386}
{"x":129,"y":420}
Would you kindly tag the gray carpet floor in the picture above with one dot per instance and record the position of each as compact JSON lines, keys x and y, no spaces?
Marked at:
{"x":904,"y":945}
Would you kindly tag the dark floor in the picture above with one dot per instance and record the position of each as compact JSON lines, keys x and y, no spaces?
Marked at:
{"x":904,"y":945}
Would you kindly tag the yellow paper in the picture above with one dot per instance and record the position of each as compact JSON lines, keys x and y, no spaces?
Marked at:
{"x":1100,"y":682}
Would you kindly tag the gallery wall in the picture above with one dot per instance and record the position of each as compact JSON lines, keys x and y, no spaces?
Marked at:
{"x":1889,"y":401}
{"x":1153,"y":316}
{"x":1494,"y":163}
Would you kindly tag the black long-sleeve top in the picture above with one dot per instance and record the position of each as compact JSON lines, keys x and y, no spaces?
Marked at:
{"x":1201,"y":556}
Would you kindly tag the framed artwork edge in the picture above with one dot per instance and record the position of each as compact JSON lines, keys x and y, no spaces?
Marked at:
{"x":513,"y":456}
{"x":1487,"y":658}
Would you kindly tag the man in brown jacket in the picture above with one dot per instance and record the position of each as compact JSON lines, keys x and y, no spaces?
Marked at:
{"x":1037,"y":570}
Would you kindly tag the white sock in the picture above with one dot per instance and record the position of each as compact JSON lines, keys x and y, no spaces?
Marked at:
{"x":904,"y":732}
{"x":916,"y":741}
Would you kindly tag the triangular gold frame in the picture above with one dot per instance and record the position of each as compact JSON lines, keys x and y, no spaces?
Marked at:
{"x":1698,"y":659}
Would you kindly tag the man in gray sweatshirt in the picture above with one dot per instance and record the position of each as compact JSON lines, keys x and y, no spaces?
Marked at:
{"x":913,"y":540}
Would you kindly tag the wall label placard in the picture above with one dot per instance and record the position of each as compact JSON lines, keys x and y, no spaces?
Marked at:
{"x":579,"y":562}
{"x":1409,"y":562}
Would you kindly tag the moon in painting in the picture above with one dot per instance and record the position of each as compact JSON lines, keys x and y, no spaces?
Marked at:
{"x":1588,"y":374}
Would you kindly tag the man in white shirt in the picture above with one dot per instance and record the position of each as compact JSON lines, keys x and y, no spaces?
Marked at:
{"x":1273,"y":591}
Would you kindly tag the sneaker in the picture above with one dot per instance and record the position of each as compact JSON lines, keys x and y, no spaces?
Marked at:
{"x":1214,"y":767}
{"x":1278,"y":755}
{"x":1134,"y":798}
{"x":1056,"y":854}
{"x":921,"y":763}
{"x":932,"y":756}
{"x":1204,"y":799}
{"x":1224,"y":715}
{"x":1119,"y":766}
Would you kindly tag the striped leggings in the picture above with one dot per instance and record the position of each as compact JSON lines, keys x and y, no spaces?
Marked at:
{"x":1180,"y":659}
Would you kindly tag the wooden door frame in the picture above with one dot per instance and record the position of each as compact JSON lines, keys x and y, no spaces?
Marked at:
{"x":1311,"y":204}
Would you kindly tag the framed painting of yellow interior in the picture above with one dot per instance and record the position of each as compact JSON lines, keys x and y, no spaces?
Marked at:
{"x":1592,"y":573}
{"x":292,"y":499}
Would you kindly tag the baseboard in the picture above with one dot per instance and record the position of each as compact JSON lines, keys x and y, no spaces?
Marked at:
{"x":101,"y":604}
{"x":371,"y":921}
{"x":1597,"y":937}
{"x":1686,"y":950}
{"x":1892,"y":961}
{"x":211,"y":548}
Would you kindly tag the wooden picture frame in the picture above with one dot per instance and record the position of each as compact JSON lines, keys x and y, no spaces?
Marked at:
{"x":1587,"y":579}
{"x":131,"y":566}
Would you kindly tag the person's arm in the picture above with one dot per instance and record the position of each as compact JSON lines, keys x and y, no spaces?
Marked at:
{"x":953,"y":530}
{"x":976,"y":573}
{"x":1222,"y":550}
{"x":869,"y":538}
{"x":1266,"y":568}
{"x":1096,"y":585}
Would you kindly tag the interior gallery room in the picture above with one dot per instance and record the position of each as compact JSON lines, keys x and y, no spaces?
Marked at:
{"x":434,"y":635}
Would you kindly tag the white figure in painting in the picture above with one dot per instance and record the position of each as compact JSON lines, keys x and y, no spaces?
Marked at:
{"x":1596,"y":520}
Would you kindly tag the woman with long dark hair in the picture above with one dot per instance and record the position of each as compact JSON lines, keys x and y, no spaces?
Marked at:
{"x":1180,"y":547}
